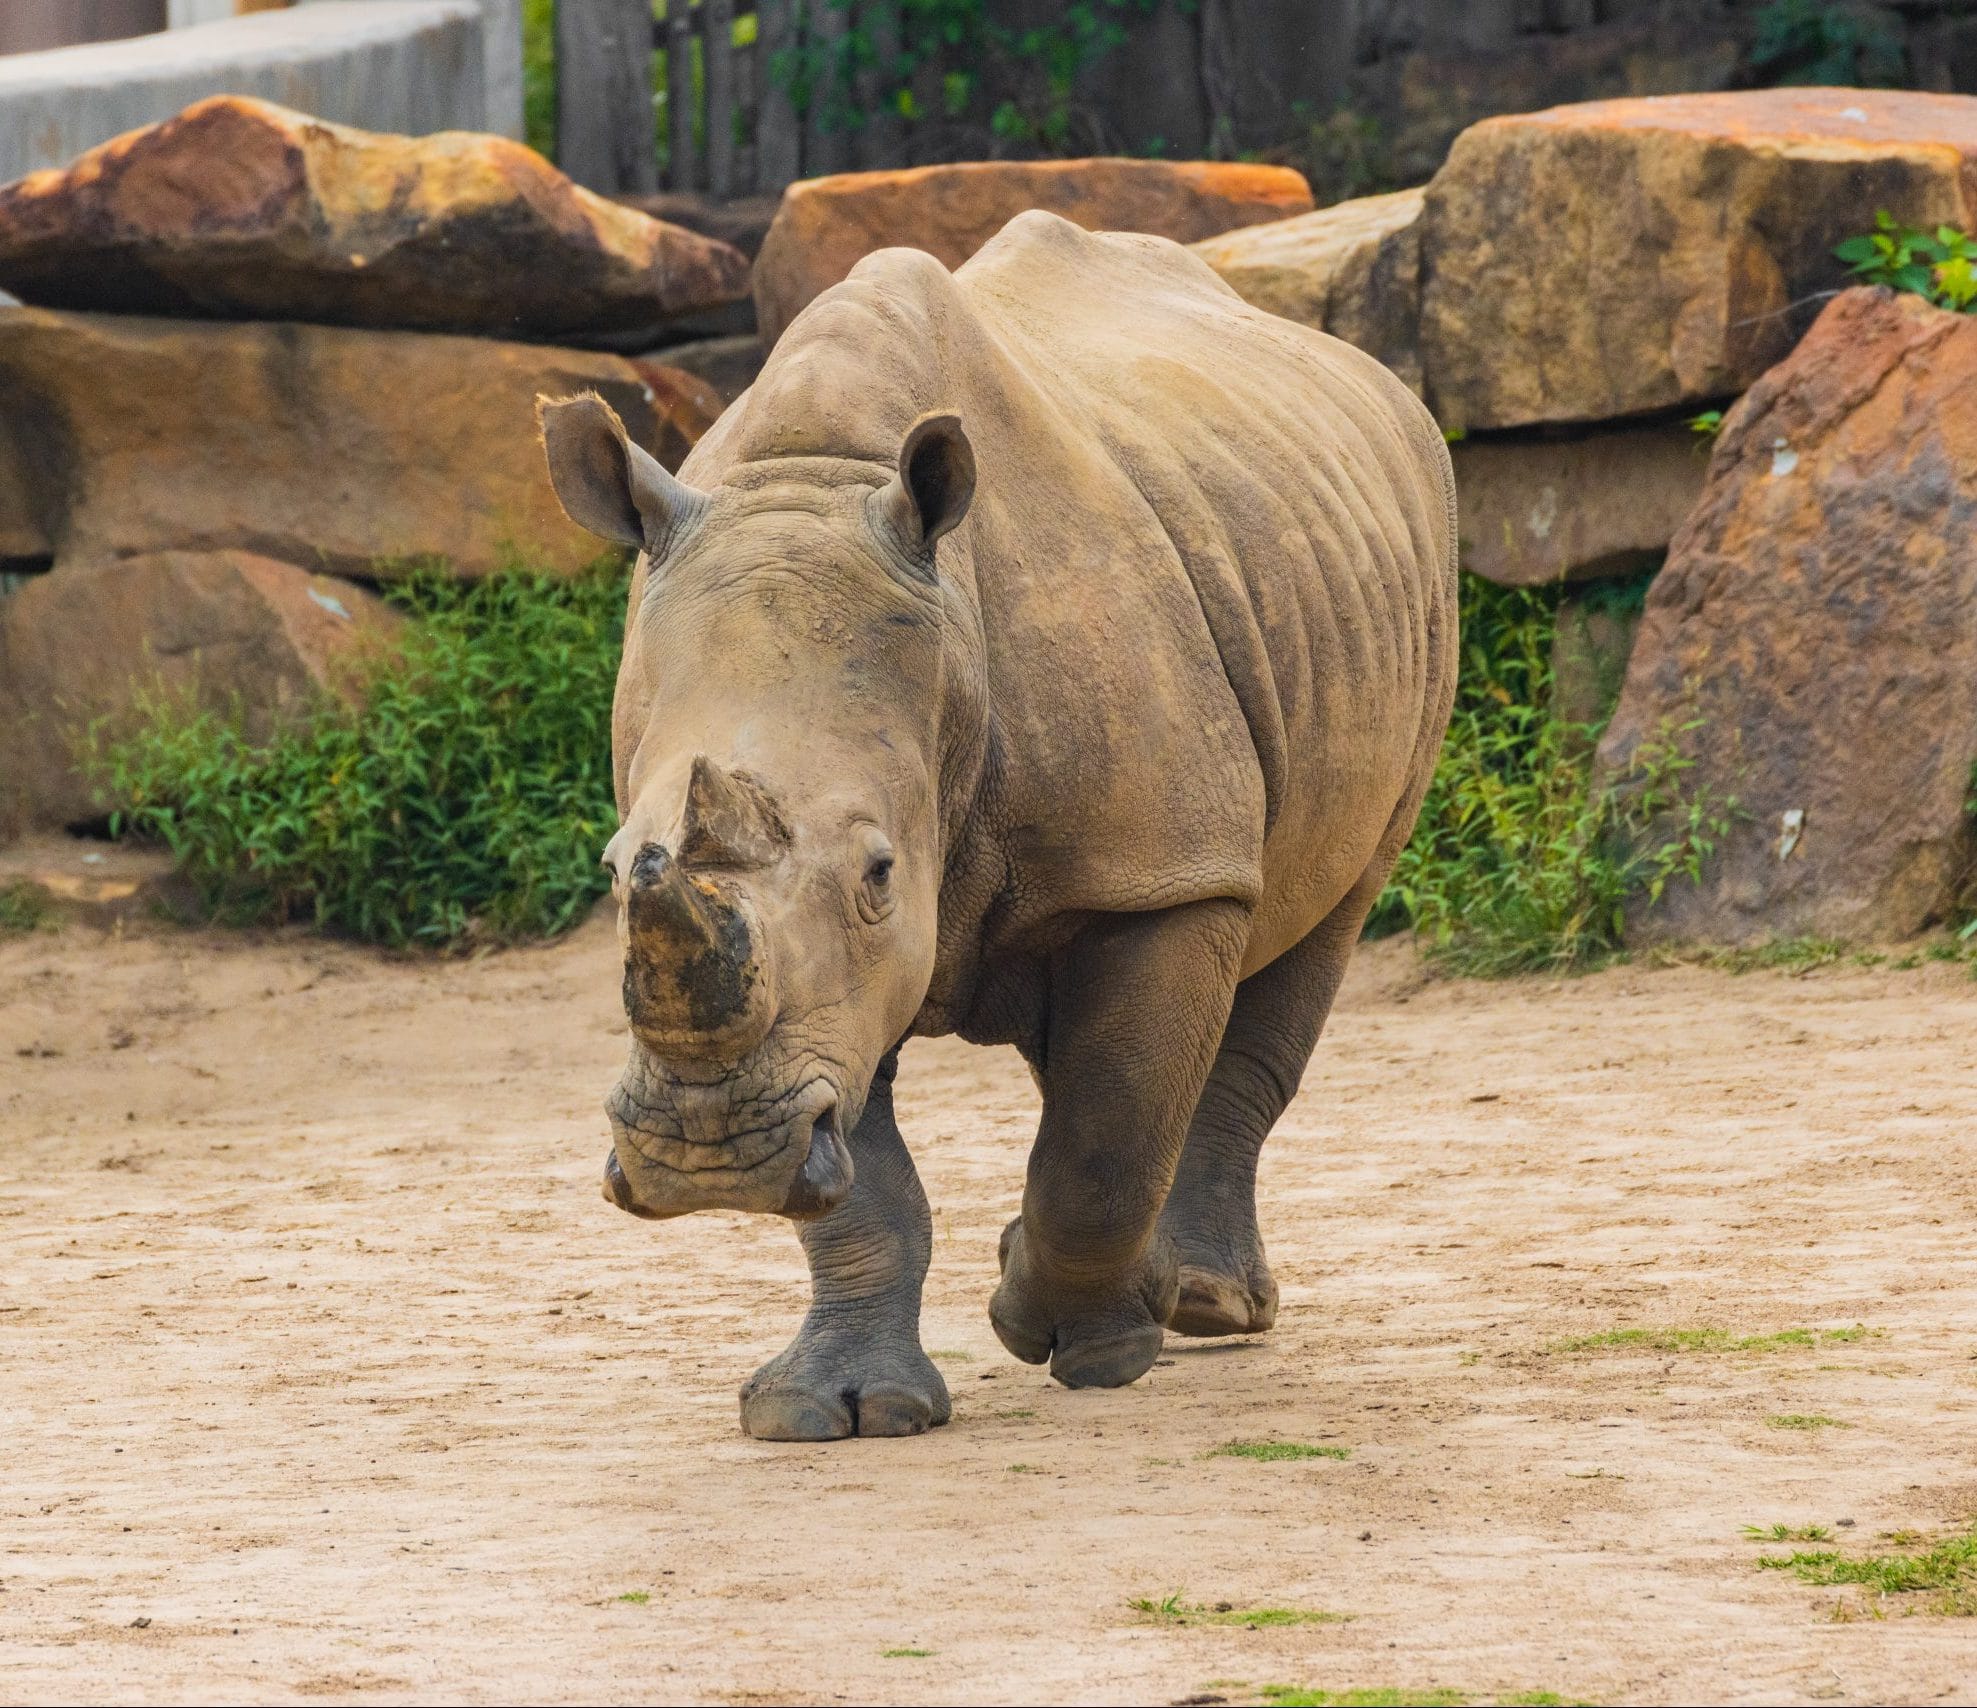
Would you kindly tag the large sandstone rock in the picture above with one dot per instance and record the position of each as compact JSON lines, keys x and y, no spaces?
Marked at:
{"x":683,"y":407}
{"x":78,"y":645}
{"x":237,"y":208}
{"x":1624,"y":256}
{"x":1537,"y":509}
{"x":1353,"y":270}
{"x":321,"y":445}
{"x":825,"y":226}
{"x":1819,"y":615}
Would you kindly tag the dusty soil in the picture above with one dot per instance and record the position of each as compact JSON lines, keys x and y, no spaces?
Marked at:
{"x":325,"y":1372}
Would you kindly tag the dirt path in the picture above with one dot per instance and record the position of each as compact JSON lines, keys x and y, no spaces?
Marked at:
{"x":320,"y":1353}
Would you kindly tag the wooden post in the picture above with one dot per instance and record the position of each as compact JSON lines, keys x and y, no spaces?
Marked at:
{"x":604,"y":137}
{"x":826,"y":143}
{"x":778,"y":131}
{"x":717,"y":48}
{"x":682,"y":171}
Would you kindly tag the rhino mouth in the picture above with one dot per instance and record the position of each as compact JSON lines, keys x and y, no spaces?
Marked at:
{"x":788,"y":1160}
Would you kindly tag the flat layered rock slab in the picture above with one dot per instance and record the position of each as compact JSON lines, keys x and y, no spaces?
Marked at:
{"x":327,"y":446}
{"x":80,"y":646}
{"x":1619,"y":257}
{"x":1353,"y":270}
{"x":825,"y":226}
{"x":238,"y":208}
{"x":1535,"y":509}
{"x":1818,"y":615}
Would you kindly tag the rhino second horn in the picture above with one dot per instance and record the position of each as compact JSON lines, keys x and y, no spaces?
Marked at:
{"x":729,"y":820}
{"x":695,"y":987}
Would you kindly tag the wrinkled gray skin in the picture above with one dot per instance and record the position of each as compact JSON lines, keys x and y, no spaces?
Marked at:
{"x":1054,"y":653}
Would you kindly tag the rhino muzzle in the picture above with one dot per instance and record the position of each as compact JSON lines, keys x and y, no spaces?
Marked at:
{"x":820,"y":1181}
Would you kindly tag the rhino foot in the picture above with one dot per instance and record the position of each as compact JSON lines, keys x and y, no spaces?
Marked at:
{"x":1217,"y":1300}
{"x":1092,"y":1338}
{"x":843,"y":1380}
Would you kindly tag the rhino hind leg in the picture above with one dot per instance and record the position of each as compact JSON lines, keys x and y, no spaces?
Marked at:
{"x":856,"y":1367}
{"x":1225,"y":1282}
{"x":1137,"y":1005}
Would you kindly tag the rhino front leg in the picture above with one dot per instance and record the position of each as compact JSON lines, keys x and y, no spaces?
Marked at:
{"x":856,"y":1366}
{"x":1136,"y":1009}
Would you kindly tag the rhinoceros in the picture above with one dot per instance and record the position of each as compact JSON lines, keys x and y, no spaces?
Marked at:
{"x":1053,"y":652}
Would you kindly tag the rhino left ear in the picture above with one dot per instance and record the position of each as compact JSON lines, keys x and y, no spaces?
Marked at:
{"x":935,"y":483}
{"x":606,"y":483}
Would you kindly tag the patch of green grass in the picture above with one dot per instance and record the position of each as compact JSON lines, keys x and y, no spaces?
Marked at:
{"x":1518,"y":862}
{"x":952,"y":1357}
{"x":1293,"y":1696}
{"x":1027,"y":1470}
{"x":465,"y":798}
{"x":1805,"y":1420}
{"x":1173,"y":1610}
{"x":23,"y":907}
{"x":1788,"y":1532}
{"x":1270,"y":1452}
{"x":906,"y":1654}
{"x":1787,"y":954}
{"x":1704,"y":1340}
{"x":637,"y":1597}
{"x":1940,"y":1578}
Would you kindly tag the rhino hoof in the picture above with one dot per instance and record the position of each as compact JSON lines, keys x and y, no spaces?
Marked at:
{"x":1217,"y":1304}
{"x":1108,"y":1362}
{"x":778,"y":1405}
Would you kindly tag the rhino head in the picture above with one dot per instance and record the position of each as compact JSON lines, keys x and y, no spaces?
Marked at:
{"x":778,"y":745}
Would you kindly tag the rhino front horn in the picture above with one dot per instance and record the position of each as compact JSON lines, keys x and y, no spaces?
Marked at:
{"x":696,"y":986}
{"x":729,"y":820}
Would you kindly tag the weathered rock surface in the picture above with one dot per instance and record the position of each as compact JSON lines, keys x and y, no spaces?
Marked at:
{"x":320,"y":445}
{"x":1819,"y":614}
{"x":1539,"y":509}
{"x":825,"y":226}
{"x":1353,"y":270}
{"x":1625,"y":256}
{"x":77,"y":644}
{"x":683,"y":406}
{"x":729,"y":365}
{"x":241,"y":209}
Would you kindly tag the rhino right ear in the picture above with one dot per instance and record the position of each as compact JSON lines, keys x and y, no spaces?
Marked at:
{"x":606,"y":483}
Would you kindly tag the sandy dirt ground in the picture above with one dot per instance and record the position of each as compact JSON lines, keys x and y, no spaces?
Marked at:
{"x":326,"y":1373}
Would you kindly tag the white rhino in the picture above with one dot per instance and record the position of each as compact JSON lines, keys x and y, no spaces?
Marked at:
{"x":1054,"y":652}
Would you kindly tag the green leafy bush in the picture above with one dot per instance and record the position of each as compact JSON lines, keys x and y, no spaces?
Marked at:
{"x":465,"y":798}
{"x":1940,"y":265}
{"x":1817,"y":42}
{"x":539,"y":76}
{"x":1519,"y":861}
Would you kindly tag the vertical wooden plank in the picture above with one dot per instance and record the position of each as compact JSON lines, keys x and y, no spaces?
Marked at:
{"x":717,"y":45}
{"x":683,"y":168}
{"x":604,"y":95}
{"x":826,"y":141}
{"x":778,"y":132}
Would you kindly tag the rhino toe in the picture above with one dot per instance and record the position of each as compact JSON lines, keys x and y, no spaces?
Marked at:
{"x":1215,"y":1303}
{"x":821,"y":1392}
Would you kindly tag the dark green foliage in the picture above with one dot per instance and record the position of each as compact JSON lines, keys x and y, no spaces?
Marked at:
{"x":1519,"y":862}
{"x":1940,"y":265}
{"x":539,"y":76}
{"x":23,"y":907}
{"x":467,"y":799}
{"x":1817,"y":42}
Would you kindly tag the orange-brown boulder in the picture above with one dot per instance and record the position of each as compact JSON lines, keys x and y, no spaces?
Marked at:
{"x":1623,"y":256}
{"x":80,"y":645}
{"x":1818,"y":615}
{"x":825,"y":226}
{"x":330,"y":446}
{"x":239,"y":209}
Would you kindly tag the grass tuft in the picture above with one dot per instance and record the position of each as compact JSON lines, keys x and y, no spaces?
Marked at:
{"x":1292,"y":1696}
{"x":464,"y":799}
{"x":1940,"y":1578}
{"x":1805,"y":1420}
{"x":1173,"y":1610}
{"x":1270,"y":1452}
{"x":23,"y":907}
{"x":906,"y":1654}
{"x":637,"y":1597}
{"x":1706,"y":1340}
{"x":1788,"y":1533}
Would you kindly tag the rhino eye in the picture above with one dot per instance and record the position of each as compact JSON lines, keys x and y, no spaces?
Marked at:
{"x":879,"y":873}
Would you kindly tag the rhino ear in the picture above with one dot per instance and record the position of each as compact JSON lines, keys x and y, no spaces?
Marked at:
{"x":935,"y":483}
{"x":606,"y":483}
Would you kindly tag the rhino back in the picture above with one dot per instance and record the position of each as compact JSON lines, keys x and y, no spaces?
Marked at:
{"x":1212,"y":554}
